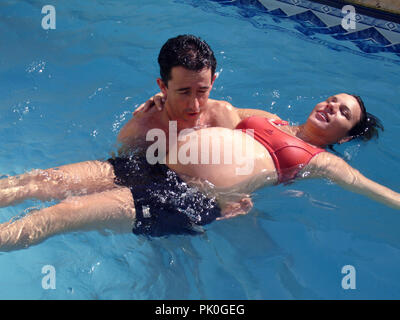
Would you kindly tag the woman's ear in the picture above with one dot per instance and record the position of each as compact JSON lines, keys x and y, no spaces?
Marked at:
{"x":163,"y":87}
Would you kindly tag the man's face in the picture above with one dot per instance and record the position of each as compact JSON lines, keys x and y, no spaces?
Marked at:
{"x":187,"y":95}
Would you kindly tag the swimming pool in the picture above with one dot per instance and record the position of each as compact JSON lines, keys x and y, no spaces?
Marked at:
{"x":65,"y":93}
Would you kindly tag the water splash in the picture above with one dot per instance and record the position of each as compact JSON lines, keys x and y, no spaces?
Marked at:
{"x":100,"y":90}
{"x":315,"y":202}
{"x":121,"y":119}
{"x":36,"y":67}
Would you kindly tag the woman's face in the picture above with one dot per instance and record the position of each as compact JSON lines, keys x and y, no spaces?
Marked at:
{"x":333,"y":118}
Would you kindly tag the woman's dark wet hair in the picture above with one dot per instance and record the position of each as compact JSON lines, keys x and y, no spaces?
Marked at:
{"x":368,"y":126}
{"x":187,"y":51}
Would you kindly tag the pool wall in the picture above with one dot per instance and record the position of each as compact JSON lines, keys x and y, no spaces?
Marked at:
{"x":372,"y":32}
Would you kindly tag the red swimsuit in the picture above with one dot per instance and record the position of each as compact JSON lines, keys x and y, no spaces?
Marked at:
{"x":290,"y":154}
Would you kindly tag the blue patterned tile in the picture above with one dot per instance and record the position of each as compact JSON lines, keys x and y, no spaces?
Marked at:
{"x":278,"y":12}
{"x":309,"y":16}
{"x":325,"y":9}
{"x":372,"y":35}
{"x":366,"y":37}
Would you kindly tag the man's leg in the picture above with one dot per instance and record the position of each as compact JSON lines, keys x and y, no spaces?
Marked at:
{"x":58,"y":183}
{"x":113,"y":209}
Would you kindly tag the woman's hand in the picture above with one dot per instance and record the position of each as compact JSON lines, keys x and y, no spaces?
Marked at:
{"x":233,"y":209}
{"x":157,"y":101}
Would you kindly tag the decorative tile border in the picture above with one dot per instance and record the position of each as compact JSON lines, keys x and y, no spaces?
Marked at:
{"x":315,"y":19}
{"x":326,"y":9}
{"x":371,"y":35}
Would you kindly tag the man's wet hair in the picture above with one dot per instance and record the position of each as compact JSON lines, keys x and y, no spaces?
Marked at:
{"x":187,"y":51}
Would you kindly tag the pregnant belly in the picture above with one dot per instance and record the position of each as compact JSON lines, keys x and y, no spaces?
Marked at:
{"x":223,"y":157}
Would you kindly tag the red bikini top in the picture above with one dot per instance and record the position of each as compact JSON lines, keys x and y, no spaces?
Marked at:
{"x":290,"y":154}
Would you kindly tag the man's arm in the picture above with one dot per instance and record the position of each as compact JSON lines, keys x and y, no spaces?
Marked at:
{"x":130,"y":136}
{"x":128,"y":132}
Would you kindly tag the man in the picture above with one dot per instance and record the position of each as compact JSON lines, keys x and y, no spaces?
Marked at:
{"x":187,"y":69}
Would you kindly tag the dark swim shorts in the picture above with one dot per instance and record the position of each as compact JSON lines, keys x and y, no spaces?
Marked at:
{"x":164,"y":203}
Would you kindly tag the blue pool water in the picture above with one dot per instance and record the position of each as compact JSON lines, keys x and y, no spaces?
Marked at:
{"x":65,"y":93}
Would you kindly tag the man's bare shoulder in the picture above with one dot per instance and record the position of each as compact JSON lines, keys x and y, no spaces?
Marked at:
{"x":221,"y":107}
{"x":222,"y":114}
{"x":220,"y":104}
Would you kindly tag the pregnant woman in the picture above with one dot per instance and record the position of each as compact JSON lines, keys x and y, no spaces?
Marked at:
{"x":127,"y":194}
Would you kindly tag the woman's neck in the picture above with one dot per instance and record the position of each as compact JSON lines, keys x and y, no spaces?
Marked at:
{"x":304,"y":133}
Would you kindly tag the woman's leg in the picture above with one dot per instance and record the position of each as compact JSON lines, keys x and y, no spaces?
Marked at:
{"x":113,"y":210}
{"x":58,"y":183}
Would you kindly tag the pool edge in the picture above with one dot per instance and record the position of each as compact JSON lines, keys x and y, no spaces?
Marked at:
{"x":365,"y":9}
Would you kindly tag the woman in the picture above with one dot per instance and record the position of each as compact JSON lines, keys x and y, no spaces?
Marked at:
{"x":125,"y":194}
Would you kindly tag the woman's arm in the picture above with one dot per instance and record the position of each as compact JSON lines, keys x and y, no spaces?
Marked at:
{"x":327,"y":165}
{"x":245,"y":113}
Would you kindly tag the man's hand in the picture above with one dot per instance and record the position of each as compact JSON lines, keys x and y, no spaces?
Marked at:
{"x":233,"y":209}
{"x":157,"y":101}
